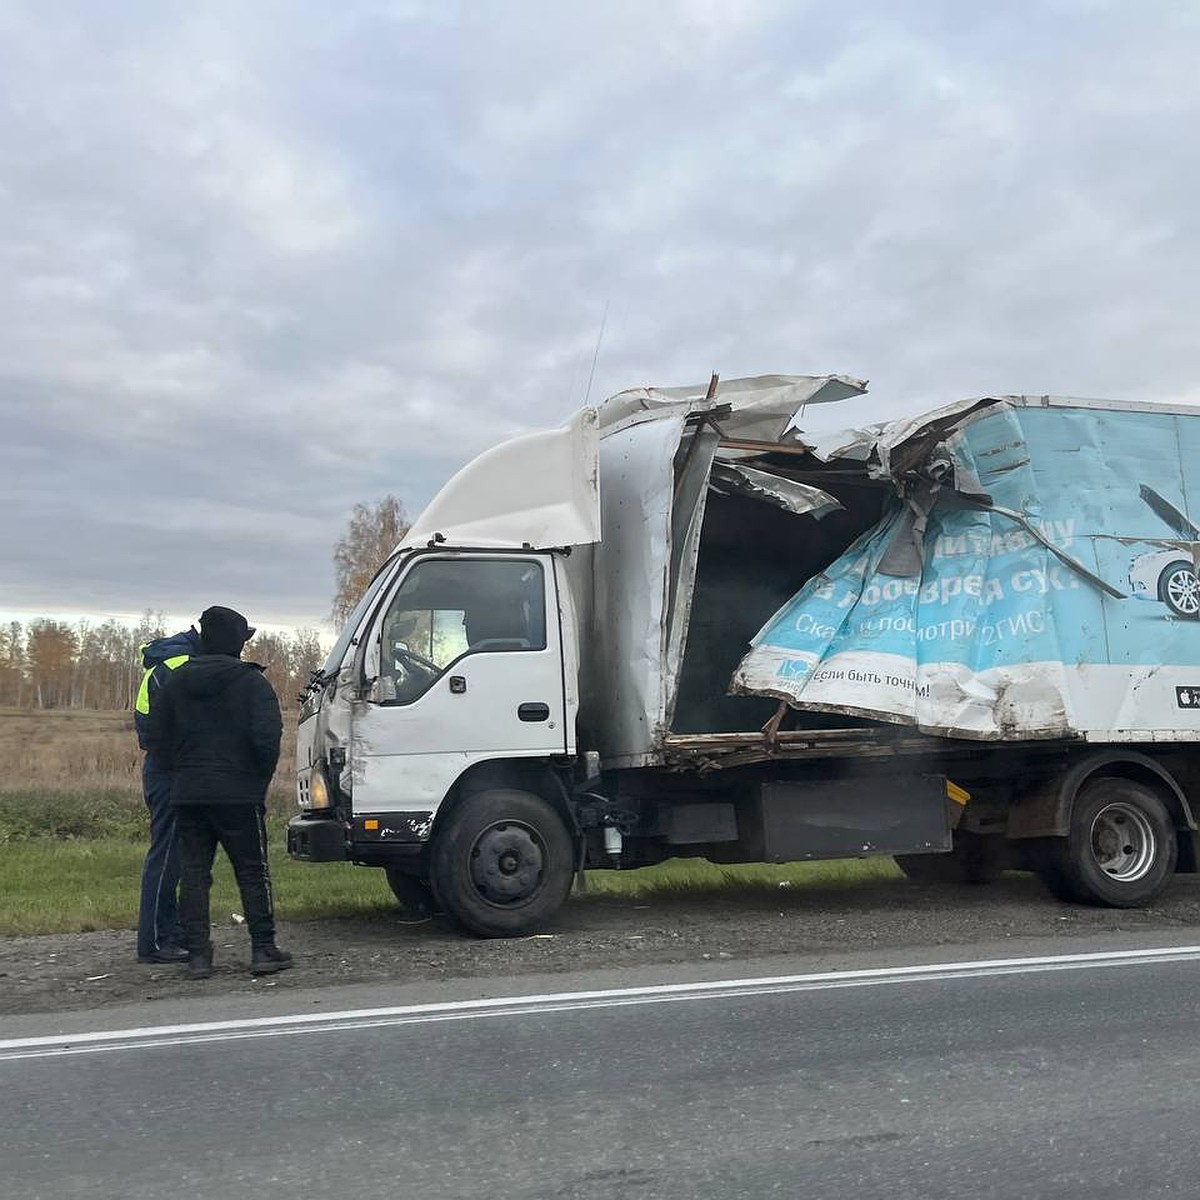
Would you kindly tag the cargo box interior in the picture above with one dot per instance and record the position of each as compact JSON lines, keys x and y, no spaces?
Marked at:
{"x":753,"y":558}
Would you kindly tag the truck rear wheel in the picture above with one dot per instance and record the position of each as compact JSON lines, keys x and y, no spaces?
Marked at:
{"x":503,"y":862}
{"x":1120,"y":851}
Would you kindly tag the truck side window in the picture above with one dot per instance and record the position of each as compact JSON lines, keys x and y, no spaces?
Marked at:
{"x":447,"y":609}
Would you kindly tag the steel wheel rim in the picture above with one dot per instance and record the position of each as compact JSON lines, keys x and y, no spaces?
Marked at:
{"x":1123,"y":842}
{"x":1183,"y":590}
{"x":507,"y":863}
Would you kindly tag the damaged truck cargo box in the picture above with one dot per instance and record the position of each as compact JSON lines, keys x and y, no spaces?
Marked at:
{"x":1034,"y":575}
{"x":570,"y":661}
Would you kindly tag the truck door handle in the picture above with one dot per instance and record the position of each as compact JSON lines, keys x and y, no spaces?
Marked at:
{"x":534,"y":712}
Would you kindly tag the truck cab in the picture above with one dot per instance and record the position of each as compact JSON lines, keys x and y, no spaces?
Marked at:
{"x":453,"y":688}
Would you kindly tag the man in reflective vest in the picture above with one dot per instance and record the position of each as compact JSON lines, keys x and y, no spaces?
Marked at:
{"x":158,"y":939}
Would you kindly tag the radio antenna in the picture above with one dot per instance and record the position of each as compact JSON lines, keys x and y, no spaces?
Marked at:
{"x":596,"y":355}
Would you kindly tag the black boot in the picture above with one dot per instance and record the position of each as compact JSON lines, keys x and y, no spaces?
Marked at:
{"x":164,"y":954}
{"x":200,"y":962}
{"x":268,"y":958}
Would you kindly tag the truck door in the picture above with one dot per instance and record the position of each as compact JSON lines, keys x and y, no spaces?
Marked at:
{"x":466,"y":663}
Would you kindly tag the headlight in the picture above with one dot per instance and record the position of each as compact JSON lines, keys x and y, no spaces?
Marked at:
{"x":318,"y":790}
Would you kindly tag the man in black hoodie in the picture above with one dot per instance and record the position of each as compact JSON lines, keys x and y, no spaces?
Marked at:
{"x":216,"y":725}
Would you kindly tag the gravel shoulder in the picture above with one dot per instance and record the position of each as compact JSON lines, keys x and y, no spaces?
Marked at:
{"x":73,"y":972}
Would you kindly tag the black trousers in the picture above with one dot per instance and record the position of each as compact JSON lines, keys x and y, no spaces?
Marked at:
{"x":158,"y":912}
{"x":240,"y":829}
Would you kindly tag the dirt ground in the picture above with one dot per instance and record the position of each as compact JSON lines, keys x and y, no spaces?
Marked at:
{"x":85,"y":971}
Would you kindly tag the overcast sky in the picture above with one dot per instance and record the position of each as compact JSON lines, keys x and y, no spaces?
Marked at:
{"x":261,"y":261}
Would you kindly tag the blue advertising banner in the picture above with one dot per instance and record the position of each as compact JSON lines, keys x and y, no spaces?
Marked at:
{"x":1007,"y":625}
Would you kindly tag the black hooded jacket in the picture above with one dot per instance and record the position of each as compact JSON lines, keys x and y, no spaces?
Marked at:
{"x":216,"y":726}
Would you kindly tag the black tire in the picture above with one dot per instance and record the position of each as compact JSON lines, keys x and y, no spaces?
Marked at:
{"x":975,"y":859}
{"x":1121,"y":849}
{"x":1179,"y":590}
{"x":1045,"y":862}
{"x":414,"y":894}
{"x":503,"y":863}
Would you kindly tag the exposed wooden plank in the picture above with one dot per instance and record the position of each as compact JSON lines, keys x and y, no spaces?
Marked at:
{"x":763,"y":447}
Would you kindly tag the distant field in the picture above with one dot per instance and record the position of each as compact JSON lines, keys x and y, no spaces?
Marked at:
{"x":81,"y":753}
{"x":73,"y":829}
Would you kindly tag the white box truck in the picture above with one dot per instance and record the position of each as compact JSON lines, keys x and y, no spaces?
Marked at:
{"x":681,"y":626}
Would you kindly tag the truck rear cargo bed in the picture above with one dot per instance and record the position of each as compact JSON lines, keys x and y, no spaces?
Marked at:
{"x":716,"y":750}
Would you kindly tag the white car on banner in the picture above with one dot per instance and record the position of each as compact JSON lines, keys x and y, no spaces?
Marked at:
{"x":1169,"y":575}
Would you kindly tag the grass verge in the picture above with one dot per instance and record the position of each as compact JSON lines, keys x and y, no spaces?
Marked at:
{"x":73,"y":832}
{"x":81,"y":884}
{"x":38,"y":814}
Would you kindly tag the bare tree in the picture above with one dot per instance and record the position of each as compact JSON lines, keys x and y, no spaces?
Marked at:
{"x":106,"y":666}
{"x":51,"y":649}
{"x":289,"y":660}
{"x":307,"y":657}
{"x":372,"y":534}
{"x":12,"y":665}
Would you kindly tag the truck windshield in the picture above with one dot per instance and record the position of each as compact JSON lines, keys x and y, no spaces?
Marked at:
{"x":448,"y":608}
{"x":338,"y":653}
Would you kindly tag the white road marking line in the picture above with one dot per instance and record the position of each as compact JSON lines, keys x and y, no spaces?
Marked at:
{"x":57,"y":1045}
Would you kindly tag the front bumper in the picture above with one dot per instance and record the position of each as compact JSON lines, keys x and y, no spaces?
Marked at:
{"x":316,"y":839}
{"x":375,"y":840}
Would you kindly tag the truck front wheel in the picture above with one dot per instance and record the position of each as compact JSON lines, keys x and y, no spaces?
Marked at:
{"x":414,"y":894}
{"x":502,"y":864}
{"x":1121,"y":848}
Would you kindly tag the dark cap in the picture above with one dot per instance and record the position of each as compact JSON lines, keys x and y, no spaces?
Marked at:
{"x":224,"y":630}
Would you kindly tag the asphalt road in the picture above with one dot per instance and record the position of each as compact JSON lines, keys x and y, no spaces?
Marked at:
{"x":1064,"y":1079}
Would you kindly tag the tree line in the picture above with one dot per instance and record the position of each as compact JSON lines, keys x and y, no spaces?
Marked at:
{"x":48,"y":664}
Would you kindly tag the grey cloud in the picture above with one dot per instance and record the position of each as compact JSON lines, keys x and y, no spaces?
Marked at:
{"x":260,"y":262}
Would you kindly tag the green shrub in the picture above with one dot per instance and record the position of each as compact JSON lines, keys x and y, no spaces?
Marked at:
{"x":33,"y":813}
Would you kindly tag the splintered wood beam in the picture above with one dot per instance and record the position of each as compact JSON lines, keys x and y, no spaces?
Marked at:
{"x":762,"y":447}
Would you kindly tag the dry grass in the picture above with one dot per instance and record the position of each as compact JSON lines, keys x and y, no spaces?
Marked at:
{"x":80,"y":753}
{"x":70,"y":750}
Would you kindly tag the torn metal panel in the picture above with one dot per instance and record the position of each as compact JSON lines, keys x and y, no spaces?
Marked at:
{"x":996,"y":594}
{"x":845,"y":445}
{"x":693,"y":466}
{"x":792,"y":496}
{"x":623,"y":689}
{"x":1169,"y":514}
{"x":904,"y":444}
{"x":764,"y":407}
